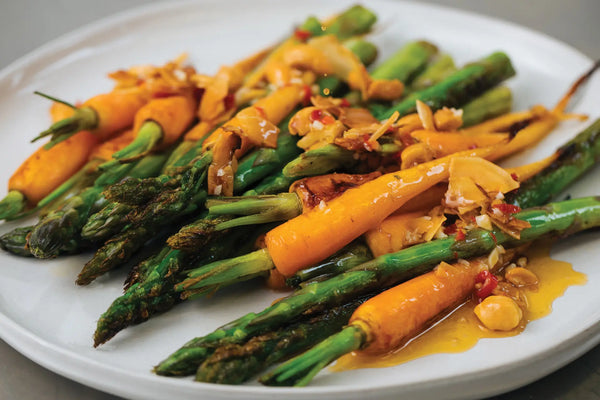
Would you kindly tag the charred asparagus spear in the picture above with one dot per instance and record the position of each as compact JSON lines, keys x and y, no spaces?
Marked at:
{"x":237,"y":363}
{"x":150,"y":289}
{"x":575,"y":158}
{"x":435,"y":72}
{"x":165,"y":208}
{"x":59,"y":231}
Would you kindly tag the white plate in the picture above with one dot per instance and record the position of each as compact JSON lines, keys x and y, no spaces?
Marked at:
{"x":50,"y":320}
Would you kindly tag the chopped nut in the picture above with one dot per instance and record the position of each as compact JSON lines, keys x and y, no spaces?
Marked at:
{"x":499,"y":313}
{"x":522,"y":262}
{"x":520,"y":277}
{"x":483,"y":221}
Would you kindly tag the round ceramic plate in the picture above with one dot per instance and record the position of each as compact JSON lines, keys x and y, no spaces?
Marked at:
{"x":50,"y":320}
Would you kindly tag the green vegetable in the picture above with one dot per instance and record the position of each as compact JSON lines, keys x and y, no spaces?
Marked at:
{"x":457,"y":89}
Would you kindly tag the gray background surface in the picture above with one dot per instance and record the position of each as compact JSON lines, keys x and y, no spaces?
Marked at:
{"x":27,"y":24}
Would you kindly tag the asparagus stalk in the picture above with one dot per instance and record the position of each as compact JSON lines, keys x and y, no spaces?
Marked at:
{"x":494,"y":102}
{"x":320,"y":161}
{"x":356,"y":20}
{"x":576,"y":157}
{"x":300,"y":370}
{"x":406,"y":63}
{"x":237,"y":363}
{"x":112,"y":218}
{"x":272,"y":184}
{"x":264,"y":161}
{"x":141,"y":271}
{"x":106,"y":223}
{"x":143,"y":298}
{"x":197,"y":234}
{"x":150,"y":288}
{"x":15,"y":241}
{"x":257,"y":209}
{"x":354,"y":254}
{"x":460,"y":87}
{"x":437,"y":71}
{"x":12,"y":204}
{"x":122,"y":247}
{"x":555,"y":219}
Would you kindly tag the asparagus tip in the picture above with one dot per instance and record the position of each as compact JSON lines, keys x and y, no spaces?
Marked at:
{"x":12,"y":204}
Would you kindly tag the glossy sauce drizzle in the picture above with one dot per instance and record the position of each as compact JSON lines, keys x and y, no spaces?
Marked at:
{"x":461,"y":330}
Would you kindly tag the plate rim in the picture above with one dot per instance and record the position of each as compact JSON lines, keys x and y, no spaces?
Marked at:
{"x":21,"y":339}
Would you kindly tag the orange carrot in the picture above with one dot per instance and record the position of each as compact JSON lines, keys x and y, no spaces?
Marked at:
{"x":317,"y":234}
{"x":45,"y":169}
{"x":115,"y":111}
{"x":393,"y":316}
{"x":525,"y":172}
{"x":174,"y":115}
{"x":444,"y":143}
{"x":104,"y":151}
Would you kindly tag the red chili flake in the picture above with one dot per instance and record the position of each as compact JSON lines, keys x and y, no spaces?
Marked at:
{"x":161,"y":95}
{"x":229,"y":101}
{"x":198,"y":93}
{"x":472,"y":147}
{"x":450,"y":229}
{"x":488,"y":283}
{"x":327,"y":119}
{"x":460,"y":235}
{"x":515,"y":177}
{"x":307,"y":95}
{"x":507,"y":208}
{"x":302,"y":35}
{"x":261,"y":111}
{"x":407,"y":140}
{"x":316,"y":115}
{"x":494,"y":237}
{"x":482,"y":275}
{"x":397,"y":156}
{"x":345,"y":103}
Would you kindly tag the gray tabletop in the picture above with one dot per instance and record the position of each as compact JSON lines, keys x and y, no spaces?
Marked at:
{"x":27,"y":24}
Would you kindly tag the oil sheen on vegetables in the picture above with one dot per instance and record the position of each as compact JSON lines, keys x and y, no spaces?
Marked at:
{"x":461,"y":330}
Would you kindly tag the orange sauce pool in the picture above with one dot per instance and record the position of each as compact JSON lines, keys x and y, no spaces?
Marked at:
{"x":461,"y":330}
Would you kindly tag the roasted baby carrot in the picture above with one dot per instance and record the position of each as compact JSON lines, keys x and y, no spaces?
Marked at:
{"x":45,"y":170}
{"x":158,"y":124}
{"x":386,"y":321}
{"x":308,"y":238}
{"x":103,"y":115}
